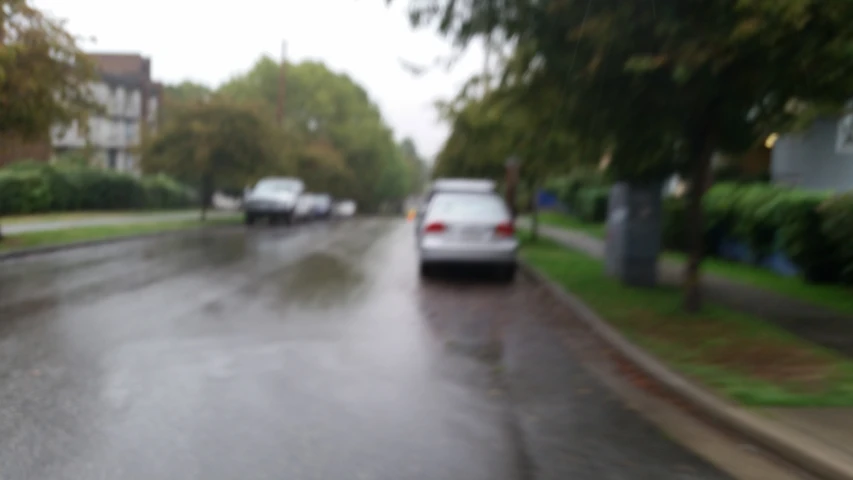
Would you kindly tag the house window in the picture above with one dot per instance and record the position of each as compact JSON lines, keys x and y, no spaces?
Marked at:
{"x":112,"y":158}
{"x":844,"y":140}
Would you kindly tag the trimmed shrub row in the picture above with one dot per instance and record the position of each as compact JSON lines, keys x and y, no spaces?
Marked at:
{"x":34,"y":187}
{"x":584,"y":192}
{"x":812,"y":229}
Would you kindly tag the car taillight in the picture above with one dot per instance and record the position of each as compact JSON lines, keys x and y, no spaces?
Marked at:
{"x":435,"y":227}
{"x":505,"y":230}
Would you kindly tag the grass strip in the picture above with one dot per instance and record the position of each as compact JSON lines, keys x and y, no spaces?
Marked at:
{"x":742,"y":358}
{"x":82,"y":234}
{"x":89,"y":215}
{"x":833,"y":297}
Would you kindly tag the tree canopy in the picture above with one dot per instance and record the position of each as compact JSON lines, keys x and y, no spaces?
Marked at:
{"x":213,"y":144}
{"x":175,"y":96}
{"x":44,"y":76}
{"x":334,"y":136}
{"x":663,"y":85}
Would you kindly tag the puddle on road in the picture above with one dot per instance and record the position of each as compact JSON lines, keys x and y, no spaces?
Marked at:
{"x":320,"y":279}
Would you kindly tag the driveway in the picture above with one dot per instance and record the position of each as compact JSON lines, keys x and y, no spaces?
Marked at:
{"x":305,"y":353}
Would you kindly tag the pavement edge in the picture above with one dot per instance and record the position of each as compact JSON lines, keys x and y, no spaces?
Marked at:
{"x":27,"y":252}
{"x":805,"y":453}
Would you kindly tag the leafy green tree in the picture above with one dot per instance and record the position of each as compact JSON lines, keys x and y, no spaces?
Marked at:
{"x":668,"y":83}
{"x":44,"y":76}
{"x":335,"y":137}
{"x":417,"y":169}
{"x":174,"y":96}
{"x":214,"y":144}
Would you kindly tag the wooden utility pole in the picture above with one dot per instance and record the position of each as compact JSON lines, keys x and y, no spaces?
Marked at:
{"x":487,"y":79}
{"x":279,"y":115}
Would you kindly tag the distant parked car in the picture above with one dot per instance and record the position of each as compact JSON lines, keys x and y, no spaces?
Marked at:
{"x":304,"y":210}
{"x":274,"y":198}
{"x":468,"y":228}
{"x":322,"y":205}
{"x":344,"y":208}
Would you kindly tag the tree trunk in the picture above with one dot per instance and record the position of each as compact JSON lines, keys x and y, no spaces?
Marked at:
{"x":699,"y":178}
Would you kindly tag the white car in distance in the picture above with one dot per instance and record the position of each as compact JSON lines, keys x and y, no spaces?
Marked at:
{"x":304,"y":209}
{"x":344,"y":208}
{"x":273,"y":198}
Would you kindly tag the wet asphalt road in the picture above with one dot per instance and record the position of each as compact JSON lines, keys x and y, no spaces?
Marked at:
{"x":307,"y":353}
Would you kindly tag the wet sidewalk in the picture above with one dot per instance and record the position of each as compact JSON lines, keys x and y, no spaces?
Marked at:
{"x":816,"y":324}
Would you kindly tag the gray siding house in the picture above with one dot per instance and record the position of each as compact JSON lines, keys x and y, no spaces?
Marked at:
{"x":820,"y":158}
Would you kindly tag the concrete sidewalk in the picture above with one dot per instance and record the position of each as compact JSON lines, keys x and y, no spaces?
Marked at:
{"x":819,"y":325}
{"x":118,"y":219}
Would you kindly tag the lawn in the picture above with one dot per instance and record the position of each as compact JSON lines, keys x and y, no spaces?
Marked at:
{"x":741,"y":357}
{"x":834,"y":297}
{"x":66,"y":216}
{"x":81,"y":234}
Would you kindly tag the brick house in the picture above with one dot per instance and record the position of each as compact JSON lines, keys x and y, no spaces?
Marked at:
{"x":131,"y":100}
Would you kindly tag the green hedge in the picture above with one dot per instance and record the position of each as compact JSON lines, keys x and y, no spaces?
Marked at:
{"x":584,"y":192}
{"x":591,"y":203}
{"x":31,"y":187}
{"x":813,"y":229}
{"x":837,"y":227}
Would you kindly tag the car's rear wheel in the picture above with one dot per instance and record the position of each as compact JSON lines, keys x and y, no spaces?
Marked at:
{"x":249,"y":219}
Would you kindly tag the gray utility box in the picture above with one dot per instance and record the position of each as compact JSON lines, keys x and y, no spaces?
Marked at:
{"x":634,"y":223}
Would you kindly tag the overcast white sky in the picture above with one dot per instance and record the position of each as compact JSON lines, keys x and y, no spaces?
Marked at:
{"x":208,"y":41}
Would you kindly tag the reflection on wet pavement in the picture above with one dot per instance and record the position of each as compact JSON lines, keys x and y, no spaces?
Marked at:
{"x":309,"y":353}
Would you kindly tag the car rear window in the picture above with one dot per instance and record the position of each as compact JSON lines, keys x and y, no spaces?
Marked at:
{"x":473,"y":206}
{"x":277,"y":186}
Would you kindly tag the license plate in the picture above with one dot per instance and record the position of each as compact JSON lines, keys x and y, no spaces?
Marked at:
{"x":472,"y":234}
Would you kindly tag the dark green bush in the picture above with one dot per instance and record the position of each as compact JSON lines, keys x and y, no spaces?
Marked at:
{"x":673,"y":233}
{"x":756,"y":216}
{"x":33,"y":187}
{"x":591,"y":204}
{"x":568,"y":187}
{"x":837,"y":228}
{"x":164,"y":192}
{"x":801,"y":237}
{"x":720,"y":207}
{"x":23,"y":192}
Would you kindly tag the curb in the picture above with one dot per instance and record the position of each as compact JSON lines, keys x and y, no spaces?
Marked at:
{"x":27,"y":252}
{"x":803,"y":452}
